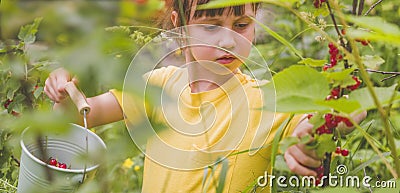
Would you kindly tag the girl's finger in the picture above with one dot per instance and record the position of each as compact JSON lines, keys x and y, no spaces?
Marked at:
{"x":296,"y":167}
{"x":302,"y":158}
{"x":308,"y":152}
{"x":51,"y":91}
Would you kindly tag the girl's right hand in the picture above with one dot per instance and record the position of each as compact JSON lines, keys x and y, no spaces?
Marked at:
{"x":55,"y":84}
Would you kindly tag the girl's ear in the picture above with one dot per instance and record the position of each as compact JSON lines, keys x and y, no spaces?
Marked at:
{"x":174,"y":18}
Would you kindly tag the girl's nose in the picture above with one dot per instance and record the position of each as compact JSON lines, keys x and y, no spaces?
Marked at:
{"x":227,"y":39}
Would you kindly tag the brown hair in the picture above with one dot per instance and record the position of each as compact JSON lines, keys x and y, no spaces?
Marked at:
{"x":185,"y":7}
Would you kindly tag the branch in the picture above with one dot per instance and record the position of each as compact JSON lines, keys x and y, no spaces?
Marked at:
{"x":346,"y":64}
{"x":382,"y":72}
{"x":360,"y":7}
{"x":355,"y":3}
{"x":390,"y":77}
{"x":372,"y":7}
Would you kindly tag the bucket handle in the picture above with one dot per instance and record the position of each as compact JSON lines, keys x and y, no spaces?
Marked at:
{"x":77,"y":97}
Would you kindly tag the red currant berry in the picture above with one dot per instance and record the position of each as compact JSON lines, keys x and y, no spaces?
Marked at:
{"x":343,"y":31}
{"x":63,"y":165}
{"x":333,"y":51}
{"x":320,"y":169}
{"x":52,"y":162}
{"x":15,"y":114}
{"x":331,"y":46}
{"x":329,"y":97}
{"x":335,"y":91}
{"x":338,"y":150}
{"x":347,"y":122}
{"x":328,"y":131}
{"x":365,"y":42}
{"x":317,"y":4}
{"x":355,"y":86}
{"x":340,"y":57}
{"x":7,"y":103}
{"x":317,"y":181}
{"x":333,"y":62}
{"x":320,"y":130}
{"x":345,"y":152}
{"x":326,"y":67}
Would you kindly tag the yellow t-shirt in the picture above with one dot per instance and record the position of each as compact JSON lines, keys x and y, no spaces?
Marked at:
{"x":205,"y":126}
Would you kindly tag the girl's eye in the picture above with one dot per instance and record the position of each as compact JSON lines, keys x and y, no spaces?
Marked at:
{"x":241,"y":25}
{"x":210,"y":27}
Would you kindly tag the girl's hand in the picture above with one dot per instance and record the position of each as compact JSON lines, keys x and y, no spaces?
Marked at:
{"x":55,"y":84}
{"x":299,"y":159}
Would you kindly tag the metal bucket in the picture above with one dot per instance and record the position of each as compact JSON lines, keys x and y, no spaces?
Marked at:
{"x":67,"y":147}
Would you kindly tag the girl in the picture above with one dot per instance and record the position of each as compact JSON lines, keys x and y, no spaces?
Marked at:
{"x":215,"y":111}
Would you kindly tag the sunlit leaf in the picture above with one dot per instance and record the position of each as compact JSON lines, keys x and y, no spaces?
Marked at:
{"x":297,"y":90}
{"x":287,"y":142}
{"x":372,"y":62}
{"x":366,"y":101}
{"x":376,"y":24}
{"x":325,"y":144}
{"x":313,"y":62}
{"x":342,"y":105}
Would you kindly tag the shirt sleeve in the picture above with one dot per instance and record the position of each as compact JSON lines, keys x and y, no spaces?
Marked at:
{"x":134,"y":106}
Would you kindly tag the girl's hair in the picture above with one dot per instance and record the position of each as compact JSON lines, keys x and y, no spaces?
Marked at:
{"x":185,"y":7}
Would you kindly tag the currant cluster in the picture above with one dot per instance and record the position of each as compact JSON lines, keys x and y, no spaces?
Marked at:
{"x":336,"y":91}
{"x":320,"y":174}
{"x":334,"y":56}
{"x":331,"y":121}
{"x":343,"y":152}
{"x":55,"y":163}
{"x":318,"y":3}
{"x":7,"y":104}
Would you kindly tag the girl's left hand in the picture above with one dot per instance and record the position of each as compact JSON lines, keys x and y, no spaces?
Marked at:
{"x":298,"y":158}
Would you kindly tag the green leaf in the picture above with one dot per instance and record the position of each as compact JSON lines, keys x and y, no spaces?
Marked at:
{"x":339,"y":76}
{"x":372,"y":61}
{"x":305,"y":139}
{"x":222,"y":176}
{"x":367,"y":163}
{"x":277,"y":138}
{"x":317,"y":120}
{"x":313,"y":62}
{"x":27,"y":33}
{"x":324,"y":11}
{"x":287,"y":142}
{"x":38,"y":92}
{"x":384,"y":95}
{"x":342,"y":105}
{"x":377,"y":37}
{"x":376,"y":24}
{"x":325,"y":144}
{"x":297,"y":89}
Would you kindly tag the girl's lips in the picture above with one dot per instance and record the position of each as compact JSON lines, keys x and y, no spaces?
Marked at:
{"x":225,"y":60}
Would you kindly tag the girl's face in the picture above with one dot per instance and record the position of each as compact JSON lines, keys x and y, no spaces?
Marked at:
{"x":211,"y":36}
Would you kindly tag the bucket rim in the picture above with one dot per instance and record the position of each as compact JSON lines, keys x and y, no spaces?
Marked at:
{"x":77,"y":171}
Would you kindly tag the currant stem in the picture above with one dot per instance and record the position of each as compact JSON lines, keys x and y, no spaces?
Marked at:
{"x":372,"y":7}
{"x":346,"y":64}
